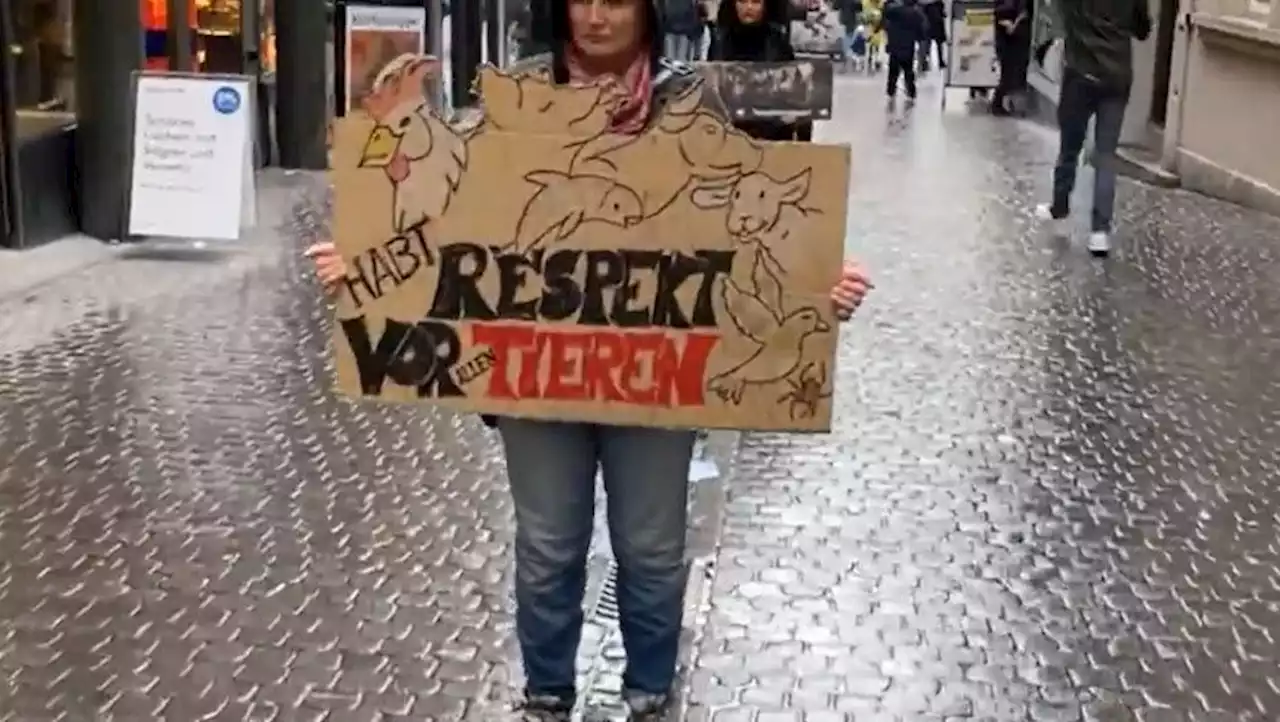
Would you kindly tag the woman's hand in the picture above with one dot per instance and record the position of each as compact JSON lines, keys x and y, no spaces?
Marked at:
{"x":848,"y":293}
{"x":330,"y":266}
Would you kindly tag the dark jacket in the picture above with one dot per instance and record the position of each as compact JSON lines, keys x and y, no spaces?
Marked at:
{"x":935,"y":14}
{"x":681,"y":17}
{"x":671,"y":79}
{"x":1098,"y":39}
{"x":850,"y":13}
{"x":766,"y":42}
{"x":905,"y":27}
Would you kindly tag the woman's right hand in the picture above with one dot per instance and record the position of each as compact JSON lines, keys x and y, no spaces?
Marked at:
{"x":330,"y":266}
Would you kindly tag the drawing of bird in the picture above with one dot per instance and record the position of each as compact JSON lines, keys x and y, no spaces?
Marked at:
{"x":565,"y":202}
{"x":777,"y":357}
{"x":422,"y":156}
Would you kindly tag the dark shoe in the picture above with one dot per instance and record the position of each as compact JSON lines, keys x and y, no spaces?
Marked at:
{"x":643,"y":707}
{"x":545,"y":708}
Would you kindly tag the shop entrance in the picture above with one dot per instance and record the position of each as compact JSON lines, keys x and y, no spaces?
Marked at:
{"x":226,"y":36}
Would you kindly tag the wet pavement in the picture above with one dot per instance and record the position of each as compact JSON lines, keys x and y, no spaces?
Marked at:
{"x":1054,"y":484}
{"x":1050,"y":494}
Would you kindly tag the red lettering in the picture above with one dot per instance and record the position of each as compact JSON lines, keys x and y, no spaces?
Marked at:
{"x":503,"y":340}
{"x":607,"y":360}
{"x":680,"y":375}
{"x":566,"y":365}
{"x":646,"y":368}
{"x":639,"y":374}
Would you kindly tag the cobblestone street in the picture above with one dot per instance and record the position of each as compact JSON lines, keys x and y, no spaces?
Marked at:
{"x":1051,"y":493}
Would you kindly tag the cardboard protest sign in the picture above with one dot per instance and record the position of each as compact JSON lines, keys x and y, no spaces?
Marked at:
{"x":796,"y":89}
{"x":535,"y":265}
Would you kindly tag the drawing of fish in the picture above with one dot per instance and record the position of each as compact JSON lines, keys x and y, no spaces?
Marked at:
{"x":565,"y":202}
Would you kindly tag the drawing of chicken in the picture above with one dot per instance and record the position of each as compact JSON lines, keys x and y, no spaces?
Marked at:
{"x":564,"y":202}
{"x":422,"y":156}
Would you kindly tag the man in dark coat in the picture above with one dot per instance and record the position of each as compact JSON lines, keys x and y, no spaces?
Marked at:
{"x":1097,"y":74}
{"x":905,"y":27}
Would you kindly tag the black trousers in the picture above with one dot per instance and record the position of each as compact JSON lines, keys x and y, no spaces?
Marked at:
{"x":1013,"y":52}
{"x":906,"y":68}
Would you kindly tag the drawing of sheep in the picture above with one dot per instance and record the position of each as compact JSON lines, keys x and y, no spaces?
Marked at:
{"x":757,"y":203}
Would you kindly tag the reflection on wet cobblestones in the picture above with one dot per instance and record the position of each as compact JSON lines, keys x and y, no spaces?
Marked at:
{"x":1053,"y":489}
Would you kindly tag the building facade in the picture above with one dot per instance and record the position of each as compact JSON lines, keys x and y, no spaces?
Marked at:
{"x":65,"y":95}
{"x":1205,"y":95}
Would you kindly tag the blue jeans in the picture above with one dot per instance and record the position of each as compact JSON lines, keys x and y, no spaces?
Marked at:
{"x":552,"y":470}
{"x":1081,"y":99}
{"x":680,"y":47}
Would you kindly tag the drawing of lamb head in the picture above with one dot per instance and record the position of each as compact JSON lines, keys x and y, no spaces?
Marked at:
{"x":710,"y":147}
{"x":755,"y":201}
{"x":421,"y":154}
{"x":531,"y":103}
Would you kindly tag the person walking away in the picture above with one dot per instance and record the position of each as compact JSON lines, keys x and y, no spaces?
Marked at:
{"x":683,"y":29}
{"x":850,"y":14}
{"x":749,"y":31}
{"x":1013,"y":51}
{"x":551,"y":466}
{"x":935,"y":13}
{"x":904,"y":27}
{"x":1097,"y":74}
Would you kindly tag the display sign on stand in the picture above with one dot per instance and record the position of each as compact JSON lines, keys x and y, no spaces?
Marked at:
{"x":971,"y":46}
{"x":191,"y":167}
{"x":369,"y":36}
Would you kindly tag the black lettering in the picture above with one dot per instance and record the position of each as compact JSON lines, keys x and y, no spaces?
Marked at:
{"x":362,"y":278}
{"x":458,"y":294}
{"x":511,"y":280}
{"x":676,"y":268}
{"x":436,"y":349}
{"x":624,"y":314}
{"x":420,"y":238}
{"x":604,"y":270}
{"x":714,"y":264}
{"x":400,"y":249}
{"x":375,"y":365}
{"x":478,"y":366}
{"x":561,"y":295}
{"x":382,"y":269}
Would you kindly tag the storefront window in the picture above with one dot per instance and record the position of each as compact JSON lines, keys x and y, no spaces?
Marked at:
{"x":217,"y":28}
{"x":268,"y":27}
{"x":40,"y":56}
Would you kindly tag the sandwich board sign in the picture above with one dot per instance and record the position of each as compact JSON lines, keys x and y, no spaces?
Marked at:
{"x":191,"y":170}
{"x":539,"y":265}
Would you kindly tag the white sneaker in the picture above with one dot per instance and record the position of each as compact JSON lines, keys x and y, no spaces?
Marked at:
{"x":1058,"y":227}
{"x":1099,"y":243}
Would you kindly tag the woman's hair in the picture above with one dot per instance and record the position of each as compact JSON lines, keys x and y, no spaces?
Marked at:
{"x":775,"y":13}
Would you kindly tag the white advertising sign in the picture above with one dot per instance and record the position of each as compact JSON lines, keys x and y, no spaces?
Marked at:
{"x":972,"y":59}
{"x":192,"y":168}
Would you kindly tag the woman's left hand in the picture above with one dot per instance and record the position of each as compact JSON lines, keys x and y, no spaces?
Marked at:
{"x":848,"y":293}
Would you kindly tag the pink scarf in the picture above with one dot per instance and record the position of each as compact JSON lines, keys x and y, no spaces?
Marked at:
{"x":632,"y":93}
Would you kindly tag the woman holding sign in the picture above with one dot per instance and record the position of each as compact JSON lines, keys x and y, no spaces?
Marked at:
{"x":552,"y":466}
{"x":752,"y":31}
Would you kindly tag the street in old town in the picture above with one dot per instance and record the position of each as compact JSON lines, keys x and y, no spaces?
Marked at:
{"x":1051,"y":492}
